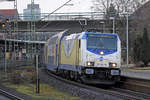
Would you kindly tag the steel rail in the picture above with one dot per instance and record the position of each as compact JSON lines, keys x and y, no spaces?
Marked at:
{"x":135,"y":84}
{"x":9,"y":95}
{"x":119,"y":94}
{"x":137,"y":94}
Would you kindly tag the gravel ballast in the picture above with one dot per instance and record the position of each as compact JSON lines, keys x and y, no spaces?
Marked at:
{"x":83,"y":93}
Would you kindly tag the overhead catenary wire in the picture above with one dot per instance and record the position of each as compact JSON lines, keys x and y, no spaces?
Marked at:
{"x":52,"y":13}
{"x":56,"y":10}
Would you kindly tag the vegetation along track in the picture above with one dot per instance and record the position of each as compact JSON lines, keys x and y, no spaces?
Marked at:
{"x":9,"y":95}
{"x":123,"y":94}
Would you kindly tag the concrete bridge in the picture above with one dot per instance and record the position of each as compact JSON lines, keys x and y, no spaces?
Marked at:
{"x":76,"y":22}
{"x":59,"y":25}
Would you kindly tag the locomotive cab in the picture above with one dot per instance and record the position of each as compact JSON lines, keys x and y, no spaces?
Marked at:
{"x":101,"y":54}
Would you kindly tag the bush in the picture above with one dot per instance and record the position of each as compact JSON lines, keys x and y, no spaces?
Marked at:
{"x":141,"y":48}
{"x":24,"y":76}
{"x":15,"y":77}
{"x":29,"y":76}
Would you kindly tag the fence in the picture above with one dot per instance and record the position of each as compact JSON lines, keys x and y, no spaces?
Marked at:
{"x":64,"y":16}
{"x":14,"y":63}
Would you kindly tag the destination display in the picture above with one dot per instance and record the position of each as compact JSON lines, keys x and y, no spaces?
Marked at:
{"x":101,"y":36}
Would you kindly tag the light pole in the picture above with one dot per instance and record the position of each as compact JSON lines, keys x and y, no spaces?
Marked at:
{"x":5,"y":56}
{"x":15,"y":27}
{"x":102,"y":22}
{"x":113,"y":18}
{"x":127,"y":30}
{"x":37,"y":74}
{"x":114,"y":25}
{"x":32,"y":23}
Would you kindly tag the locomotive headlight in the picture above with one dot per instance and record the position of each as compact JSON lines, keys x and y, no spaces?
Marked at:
{"x":89,"y":63}
{"x":113,"y":65}
{"x":101,"y":53}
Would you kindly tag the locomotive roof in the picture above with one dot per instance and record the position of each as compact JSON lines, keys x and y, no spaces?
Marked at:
{"x":79,"y":35}
{"x":71,"y":36}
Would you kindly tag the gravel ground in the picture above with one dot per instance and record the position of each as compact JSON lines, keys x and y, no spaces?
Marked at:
{"x":74,"y":90}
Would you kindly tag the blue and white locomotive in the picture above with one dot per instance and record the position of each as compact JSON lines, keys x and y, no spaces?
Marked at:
{"x":92,"y":57}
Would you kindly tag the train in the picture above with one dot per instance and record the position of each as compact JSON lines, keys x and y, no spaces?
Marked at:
{"x":88,"y":57}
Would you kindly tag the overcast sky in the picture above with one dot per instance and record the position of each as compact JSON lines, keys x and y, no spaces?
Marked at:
{"x":48,"y":6}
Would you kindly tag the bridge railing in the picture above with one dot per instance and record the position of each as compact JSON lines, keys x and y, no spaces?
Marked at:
{"x":64,"y":16}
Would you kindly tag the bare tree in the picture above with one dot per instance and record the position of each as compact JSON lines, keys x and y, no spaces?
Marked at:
{"x":120,"y":5}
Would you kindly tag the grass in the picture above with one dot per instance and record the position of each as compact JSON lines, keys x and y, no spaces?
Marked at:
{"x":46,"y":91}
{"x":26,"y":86}
{"x":26,"y":67}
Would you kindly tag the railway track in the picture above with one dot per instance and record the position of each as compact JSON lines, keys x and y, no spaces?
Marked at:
{"x":135,"y":84}
{"x":141,"y":96}
{"x":121,"y":93}
{"x":9,"y":95}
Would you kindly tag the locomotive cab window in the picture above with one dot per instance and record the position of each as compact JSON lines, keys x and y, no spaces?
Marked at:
{"x":95,"y":41}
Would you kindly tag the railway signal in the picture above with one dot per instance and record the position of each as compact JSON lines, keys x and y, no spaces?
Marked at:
{"x":7,"y":21}
{"x":5,"y":24}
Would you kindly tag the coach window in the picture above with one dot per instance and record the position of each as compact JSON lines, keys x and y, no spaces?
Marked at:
{"x":79,"y":43}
